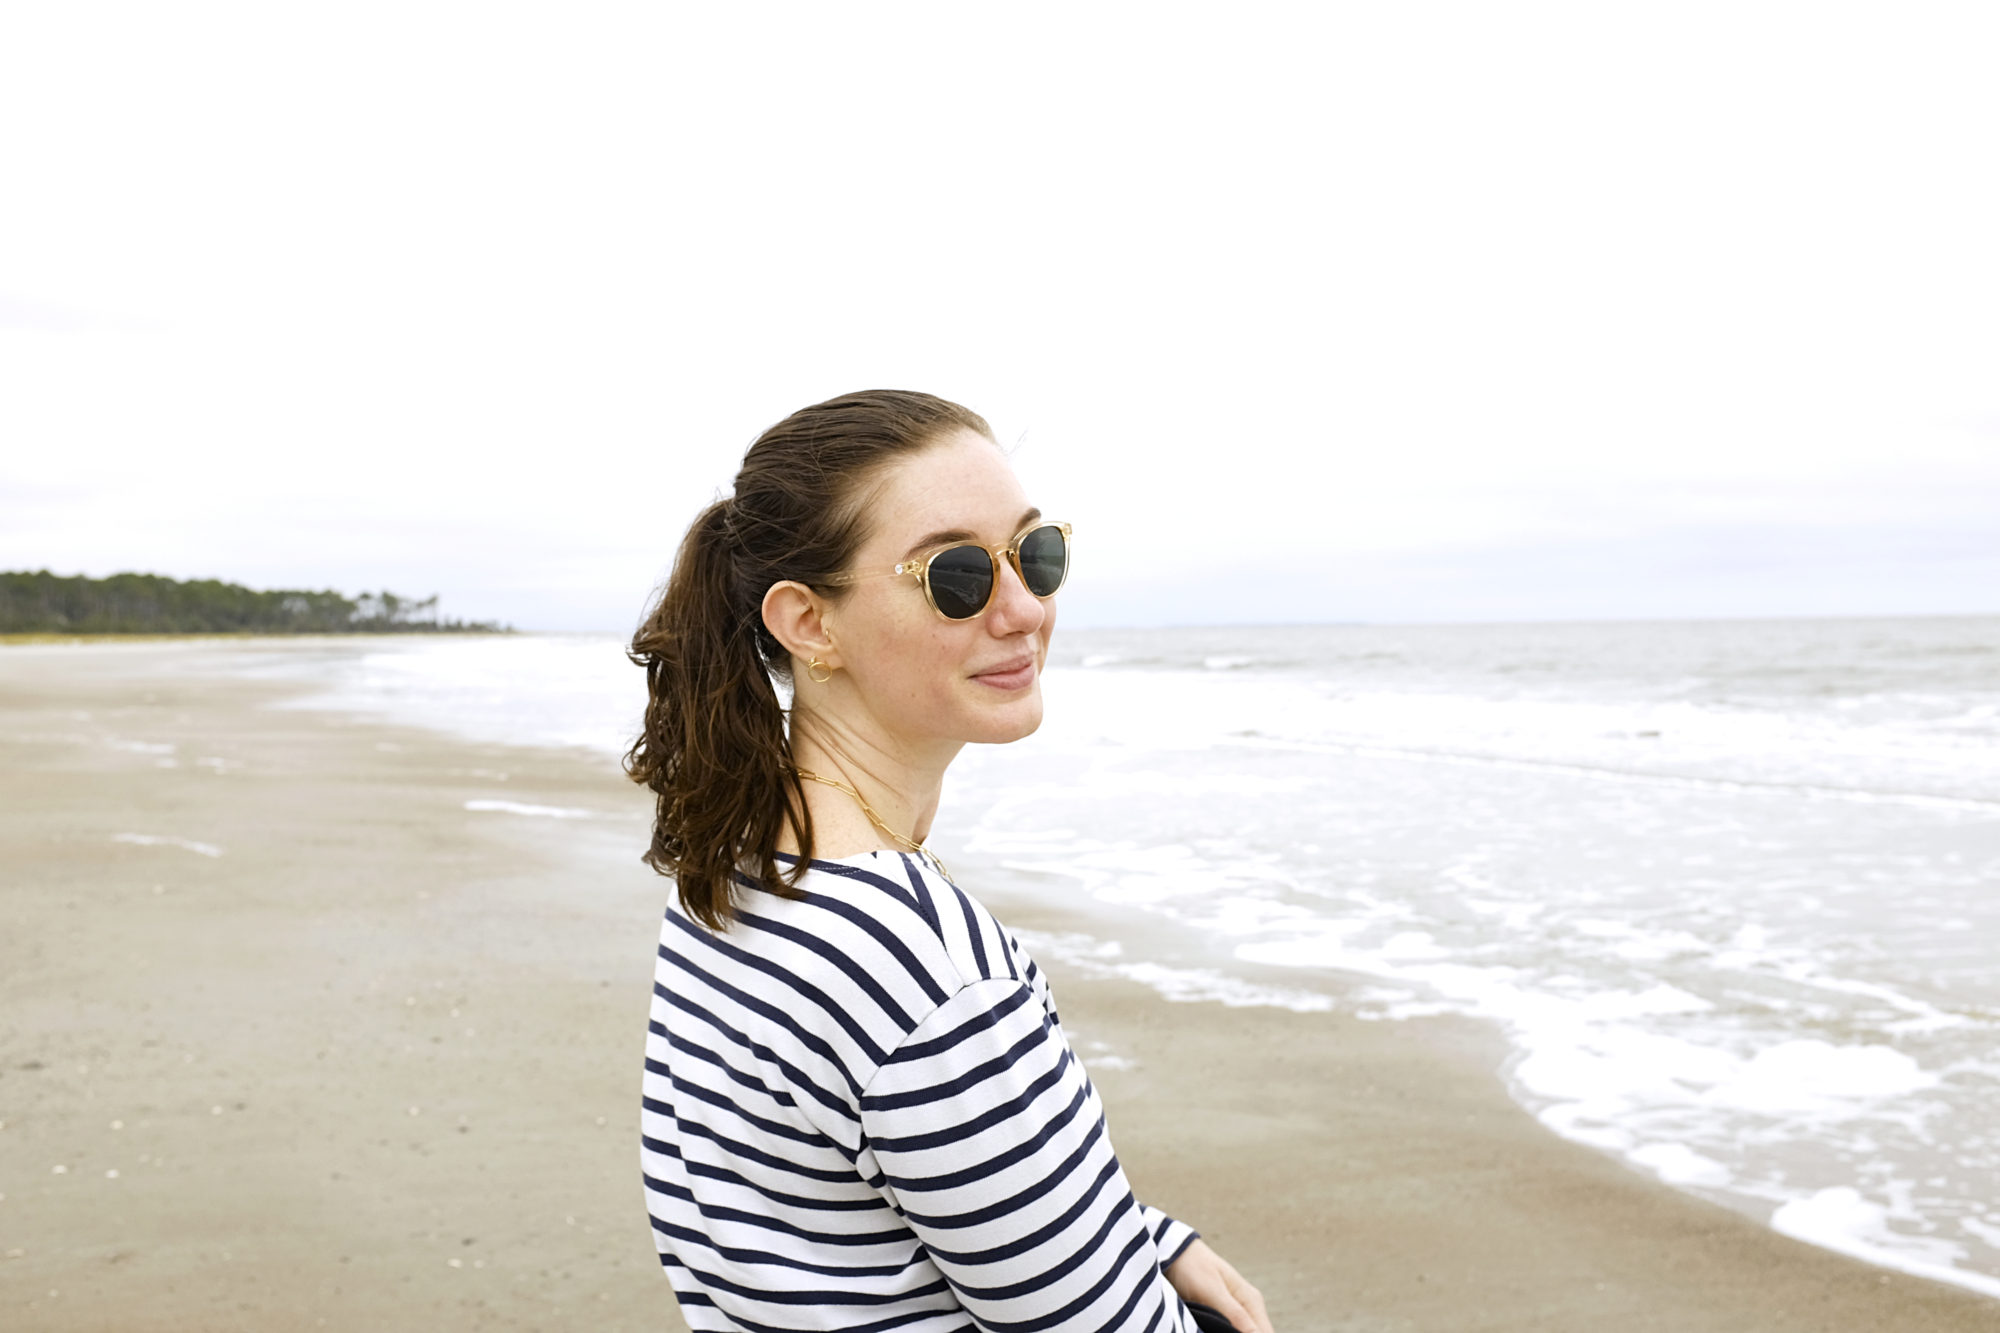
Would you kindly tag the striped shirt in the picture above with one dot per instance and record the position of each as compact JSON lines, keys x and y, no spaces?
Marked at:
{"x":860,"y":1112}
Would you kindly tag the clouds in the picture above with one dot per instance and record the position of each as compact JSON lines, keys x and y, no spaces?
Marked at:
{"x":488,"y":302}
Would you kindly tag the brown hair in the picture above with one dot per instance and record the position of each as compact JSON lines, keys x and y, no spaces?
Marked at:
{"x":715,"y":747}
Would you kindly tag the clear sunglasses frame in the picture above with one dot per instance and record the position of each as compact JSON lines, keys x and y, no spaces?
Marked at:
{"x":920,"y":566}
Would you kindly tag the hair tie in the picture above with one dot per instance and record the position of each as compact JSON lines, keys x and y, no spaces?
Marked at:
{"x":725,"y":512}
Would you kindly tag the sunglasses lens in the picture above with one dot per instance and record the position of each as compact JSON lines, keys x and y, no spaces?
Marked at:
{"x":1044,"y":560}
{"x":961,"y":581}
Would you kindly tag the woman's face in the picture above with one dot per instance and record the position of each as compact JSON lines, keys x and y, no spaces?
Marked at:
{"x":917,"y":676}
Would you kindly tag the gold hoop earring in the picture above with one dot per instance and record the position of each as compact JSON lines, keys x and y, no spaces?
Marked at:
{"x":817,"y":665}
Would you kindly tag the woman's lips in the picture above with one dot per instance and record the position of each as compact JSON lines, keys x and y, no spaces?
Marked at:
{"x":1012,"y":676}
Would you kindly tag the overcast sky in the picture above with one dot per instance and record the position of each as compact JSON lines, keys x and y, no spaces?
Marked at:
{"x":1298,"y":312}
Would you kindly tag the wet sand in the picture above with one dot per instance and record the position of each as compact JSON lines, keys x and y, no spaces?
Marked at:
{"x":316,"y":1046}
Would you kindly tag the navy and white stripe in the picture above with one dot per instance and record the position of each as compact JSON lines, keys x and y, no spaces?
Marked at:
{"x":860,"y":1112}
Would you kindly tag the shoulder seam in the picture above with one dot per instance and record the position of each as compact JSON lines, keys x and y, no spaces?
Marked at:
{"x":1010,"y":983}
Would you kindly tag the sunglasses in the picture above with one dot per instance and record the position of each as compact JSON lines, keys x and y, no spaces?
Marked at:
{"x":958,"y":581}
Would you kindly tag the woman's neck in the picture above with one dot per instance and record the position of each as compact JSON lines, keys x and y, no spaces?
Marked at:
{"x":899,"y":784}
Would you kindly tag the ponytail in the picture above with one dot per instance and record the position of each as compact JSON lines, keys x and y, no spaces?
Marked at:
{"x":716,"y":749}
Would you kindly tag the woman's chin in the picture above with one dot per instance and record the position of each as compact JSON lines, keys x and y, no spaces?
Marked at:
{"x":1012,"y":721}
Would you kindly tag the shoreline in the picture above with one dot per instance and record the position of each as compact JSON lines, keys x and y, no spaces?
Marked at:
{"x":379,"y":1032}
{"x":91,"y":638}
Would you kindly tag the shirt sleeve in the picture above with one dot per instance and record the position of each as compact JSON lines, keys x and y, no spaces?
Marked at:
{"x":992,"y":1146}
{"x":1170,"y":1236}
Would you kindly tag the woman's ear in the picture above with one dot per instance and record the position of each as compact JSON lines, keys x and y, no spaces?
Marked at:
{"x":796,"y":617}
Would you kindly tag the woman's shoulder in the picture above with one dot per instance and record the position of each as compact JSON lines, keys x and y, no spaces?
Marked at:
{"x":895,"y":906}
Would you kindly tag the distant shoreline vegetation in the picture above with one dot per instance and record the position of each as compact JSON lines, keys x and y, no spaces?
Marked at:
{"x":45,"y":603}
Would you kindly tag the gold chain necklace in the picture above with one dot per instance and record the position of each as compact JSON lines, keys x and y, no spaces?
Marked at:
{"x":876,"y":820}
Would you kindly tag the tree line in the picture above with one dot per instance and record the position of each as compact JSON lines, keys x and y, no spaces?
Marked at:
{"x":45,"y":603}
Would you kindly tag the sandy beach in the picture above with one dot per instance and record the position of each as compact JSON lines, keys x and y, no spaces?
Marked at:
{"x":311,"y":1022}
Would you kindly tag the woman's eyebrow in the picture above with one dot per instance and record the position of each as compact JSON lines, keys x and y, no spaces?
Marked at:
{"x":951,"y":535}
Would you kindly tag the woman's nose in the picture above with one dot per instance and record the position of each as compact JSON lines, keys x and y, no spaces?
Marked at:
{"x":1014,"y":609}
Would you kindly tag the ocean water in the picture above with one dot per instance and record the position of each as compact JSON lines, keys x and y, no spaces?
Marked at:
{"x":1730,"y":889}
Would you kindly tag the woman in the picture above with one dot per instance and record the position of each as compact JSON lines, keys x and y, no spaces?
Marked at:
{"x":860,"y":1109}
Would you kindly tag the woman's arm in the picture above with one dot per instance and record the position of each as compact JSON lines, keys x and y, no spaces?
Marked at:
{"x":992,"y":1146}
{"x":1171,"y":1236}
